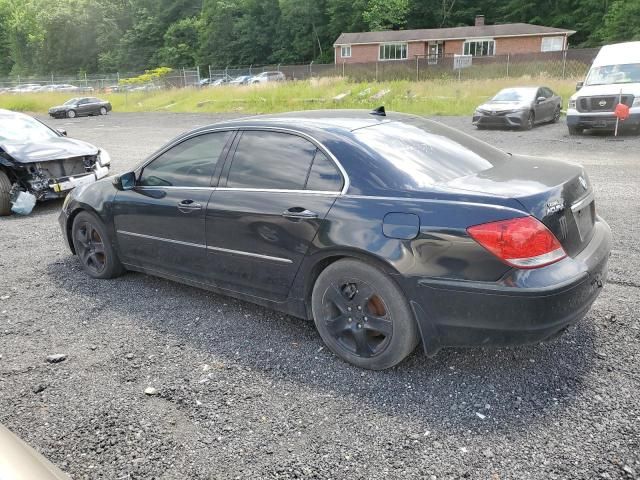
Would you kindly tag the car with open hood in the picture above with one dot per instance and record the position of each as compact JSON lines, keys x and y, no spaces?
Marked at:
{"x":43,"y":162}
{"x":519,"y":107}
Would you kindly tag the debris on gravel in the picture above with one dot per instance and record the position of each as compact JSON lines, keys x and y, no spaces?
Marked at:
{"x":56,"y":358}
{"x":150,"y":391}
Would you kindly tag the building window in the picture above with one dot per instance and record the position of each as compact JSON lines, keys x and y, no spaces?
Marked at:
{"x":393,"y":51}
{"x":552,"y":44}
{"x":479,"y":48}
{"x":345,"y":51}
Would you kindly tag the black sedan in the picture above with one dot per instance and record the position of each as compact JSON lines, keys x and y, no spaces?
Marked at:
{"x":43,"y":162}
{"x":82,"y":106}
{"x":385,"y":230}
{"x":519,"y":108}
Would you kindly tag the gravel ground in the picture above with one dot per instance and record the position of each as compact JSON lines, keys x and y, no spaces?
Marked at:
{"x":243,"y":392}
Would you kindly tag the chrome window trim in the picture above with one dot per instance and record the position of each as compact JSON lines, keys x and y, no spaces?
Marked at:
{"x":242,"y":189}
{"x":317,"y":143}
{"x":198,"y":245}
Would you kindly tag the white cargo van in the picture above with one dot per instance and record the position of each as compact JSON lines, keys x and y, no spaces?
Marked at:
{"x":614,"y":77}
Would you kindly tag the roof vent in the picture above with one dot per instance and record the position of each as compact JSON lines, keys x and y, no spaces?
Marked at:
{"x":379,"y":112}
{"x":479,"y":20}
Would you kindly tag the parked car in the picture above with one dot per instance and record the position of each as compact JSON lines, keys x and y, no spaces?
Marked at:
{"x":386,"y":230}
{"x":18,"y":461}
{"x":520,"y":107}
{"x":37,"y":159}
{"x":241,"y":80}
{"x":266,"y":77}
{"x":81,"y":106}
{"x":614,"y":77}
{"x":25,"y":88}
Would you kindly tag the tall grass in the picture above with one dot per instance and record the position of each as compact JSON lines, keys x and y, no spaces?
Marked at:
{"x":432,"y":97}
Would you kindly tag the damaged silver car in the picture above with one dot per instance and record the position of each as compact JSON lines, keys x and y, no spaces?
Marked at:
{"x":39,"y":163}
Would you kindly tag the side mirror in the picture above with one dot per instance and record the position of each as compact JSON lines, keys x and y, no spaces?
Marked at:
{"x":61,"y":131}
{"x":540,"y":99}
{"x":126,"y":181}
{"x":579,"y":85}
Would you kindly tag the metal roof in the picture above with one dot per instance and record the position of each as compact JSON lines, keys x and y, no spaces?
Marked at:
{"x":455,"y":33}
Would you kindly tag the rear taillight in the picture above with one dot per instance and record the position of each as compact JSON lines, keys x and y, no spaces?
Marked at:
{"x":520,"y":242}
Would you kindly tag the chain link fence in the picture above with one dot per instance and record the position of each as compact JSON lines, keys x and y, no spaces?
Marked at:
{"x":569,"y":64}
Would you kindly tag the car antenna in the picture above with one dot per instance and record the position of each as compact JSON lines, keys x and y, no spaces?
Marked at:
{"x":379,"y":111}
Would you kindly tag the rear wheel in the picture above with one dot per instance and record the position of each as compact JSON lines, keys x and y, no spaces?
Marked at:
{"x":363,"y":316}
{"x":103,"y":110}
{"x":93,"y":247}
{"x":5,"y":194}
{"x":71,"y":114}
{"x":575,"y":130}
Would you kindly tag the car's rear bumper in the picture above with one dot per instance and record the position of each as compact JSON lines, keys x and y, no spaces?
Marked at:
{"x":511,"y":120}
{"x":526,"y":306}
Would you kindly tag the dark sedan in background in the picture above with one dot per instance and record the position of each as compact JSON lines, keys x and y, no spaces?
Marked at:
{"x":82,"y":106}
{"x":385,"y":230}
{"x":521,"y":108}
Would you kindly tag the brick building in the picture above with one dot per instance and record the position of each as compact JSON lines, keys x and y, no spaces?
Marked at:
{"x":479,"y":40}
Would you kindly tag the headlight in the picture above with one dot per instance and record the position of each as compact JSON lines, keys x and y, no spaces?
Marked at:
{"x":104,"y":158}
{"x":572,"y":104}
{"x":636,"y":102}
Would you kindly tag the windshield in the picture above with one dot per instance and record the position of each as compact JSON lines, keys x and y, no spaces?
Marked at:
{"x":613,"y":74}
{"x":425,"y":153}
{"x":514,"y":95}
{"x":73,"y":101}
{"x":21,"y":129}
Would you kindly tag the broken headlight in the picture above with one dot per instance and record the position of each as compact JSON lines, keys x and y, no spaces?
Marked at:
{"x":104,"y":158}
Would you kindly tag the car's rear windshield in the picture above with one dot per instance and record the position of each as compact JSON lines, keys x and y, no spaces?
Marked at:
{"x":424,"y":153}
{"x":23,"y":129}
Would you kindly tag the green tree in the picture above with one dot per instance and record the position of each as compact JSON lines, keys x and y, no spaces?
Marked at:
{"x":621,"y":23}
{"x":180,"y":44}
{"x":386,"y":14}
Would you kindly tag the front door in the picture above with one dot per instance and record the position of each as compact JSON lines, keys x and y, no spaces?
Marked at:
{"x":259,"y":226}
{"x":160,"y":224}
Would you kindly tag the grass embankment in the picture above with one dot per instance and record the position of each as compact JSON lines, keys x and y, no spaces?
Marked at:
{"x":428,"y":97}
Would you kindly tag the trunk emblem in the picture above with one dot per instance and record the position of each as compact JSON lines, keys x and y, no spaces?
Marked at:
{"x":582,"y":181}
{"x":555,"y":206}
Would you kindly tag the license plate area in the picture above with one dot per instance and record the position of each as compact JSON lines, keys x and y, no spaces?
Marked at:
{"x":584,"y":216}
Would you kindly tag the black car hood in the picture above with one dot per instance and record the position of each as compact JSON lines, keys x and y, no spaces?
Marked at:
{"x":52,"y":149}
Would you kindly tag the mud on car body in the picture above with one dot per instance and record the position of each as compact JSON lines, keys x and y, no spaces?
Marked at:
{"x":43,"y":162}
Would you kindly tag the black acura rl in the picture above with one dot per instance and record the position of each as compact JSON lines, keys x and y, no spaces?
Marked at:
{"x":386,"y":230}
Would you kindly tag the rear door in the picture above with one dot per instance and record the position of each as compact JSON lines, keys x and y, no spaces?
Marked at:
{"x":544,"y":109}
{"x":160,"y":223}
{"x":260,"y":222}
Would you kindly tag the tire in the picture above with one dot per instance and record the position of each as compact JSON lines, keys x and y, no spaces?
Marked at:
{"x":103,"y":110}
{"x":531,"y":120}
{"x":363,"y":316}
{"x":5,"y":191}
{"x":71,"y":114}
{"x":575,"y":130}
{"x":556,"y":115}
{"x":92,"y":245}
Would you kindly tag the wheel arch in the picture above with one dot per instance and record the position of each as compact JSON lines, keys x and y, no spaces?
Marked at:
{"x":70,"y":219}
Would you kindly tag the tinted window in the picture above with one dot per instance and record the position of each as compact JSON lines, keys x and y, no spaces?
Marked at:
{"x":422,"y":153}
{"x":188,"y":164}
{"x":271,"y":160}
{"x":324,"y":176}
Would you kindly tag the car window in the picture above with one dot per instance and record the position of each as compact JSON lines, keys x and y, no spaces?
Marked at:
{"x":548,"y":92}
{"x":188,"y":164}
{"x":271,"y":160}
{"x":324,"y":175}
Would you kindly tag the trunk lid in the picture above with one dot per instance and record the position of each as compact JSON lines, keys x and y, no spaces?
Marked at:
{"x":555,"y":192}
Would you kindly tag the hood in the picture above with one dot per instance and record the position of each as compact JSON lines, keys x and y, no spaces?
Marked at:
{"x":59,"y":107}
{"x":612,"y":89}
{"x":53,"y":149}
{"x":504,"y":106}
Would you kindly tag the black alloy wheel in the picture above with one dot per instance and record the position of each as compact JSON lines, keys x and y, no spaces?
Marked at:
{"x":362,"y":315}
{"x":93,"y":248}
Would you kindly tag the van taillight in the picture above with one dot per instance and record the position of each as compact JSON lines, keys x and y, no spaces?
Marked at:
{"x":520,"y":242}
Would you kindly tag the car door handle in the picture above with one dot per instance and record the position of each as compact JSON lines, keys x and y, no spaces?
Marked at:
{"x":187,"y":206}
{"x":299,"y":212}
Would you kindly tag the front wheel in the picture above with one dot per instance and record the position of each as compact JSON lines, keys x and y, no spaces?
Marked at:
{"x":103,"y":110}
{"x":71,"y":114}
{"x":93,"y":247}
{"x":363,"y":316}
{"x":557,"y":114}
{"x":5,"y":194}
{"x":529,"y":122}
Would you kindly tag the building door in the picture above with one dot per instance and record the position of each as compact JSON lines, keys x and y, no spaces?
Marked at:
{"x":435,"y":52}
